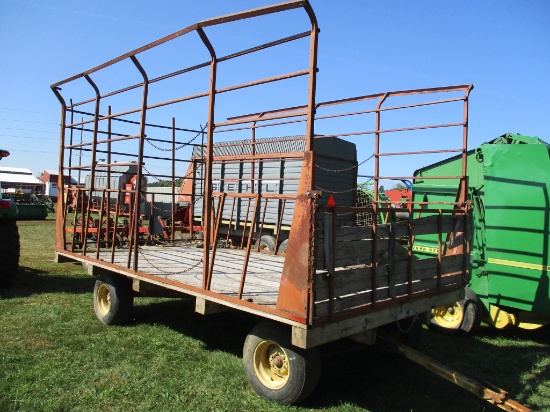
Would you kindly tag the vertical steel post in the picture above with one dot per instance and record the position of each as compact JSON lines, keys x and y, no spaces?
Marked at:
{"x":116,"y":237}
{"x":108,"y":206}
{"x":313,"y":45}
{"x":86,"y":218}
{"x":208,"y":160}
{"x":60,"y":235}
{"x":139,"y":178}
{"x":375,"y":195}
{"x":173,"y":184}
{"x":464,"y":186}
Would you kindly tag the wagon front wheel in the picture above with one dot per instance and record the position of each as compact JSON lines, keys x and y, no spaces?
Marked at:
{"x":460,"y":318}
{"x":275,"y":368}
{"x":113,"y":299}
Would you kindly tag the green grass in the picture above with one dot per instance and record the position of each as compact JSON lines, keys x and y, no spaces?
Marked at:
{"x":56,"y":356}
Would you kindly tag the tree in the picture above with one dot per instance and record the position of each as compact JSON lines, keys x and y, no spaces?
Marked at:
{"x":399,"y":186}
{"x":165,"y":183}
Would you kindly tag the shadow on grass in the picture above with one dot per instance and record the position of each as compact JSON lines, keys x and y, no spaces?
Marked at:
{"x":378,"y":380}
{"x":540,"y":335}
{"x":31,"y":281}
{"x":224,"y":331}
{"x":369,"y":377}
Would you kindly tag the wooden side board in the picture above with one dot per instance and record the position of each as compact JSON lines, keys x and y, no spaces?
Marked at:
{"x":365,"y":298}
{"x":356,"y":280}
{"x":358,"y":266}
{"x":354,"y":245}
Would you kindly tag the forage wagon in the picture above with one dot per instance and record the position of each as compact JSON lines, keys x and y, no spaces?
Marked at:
{"x":237,"y":134}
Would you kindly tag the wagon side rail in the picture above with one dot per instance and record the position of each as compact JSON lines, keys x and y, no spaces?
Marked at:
{"x":361,"y":269}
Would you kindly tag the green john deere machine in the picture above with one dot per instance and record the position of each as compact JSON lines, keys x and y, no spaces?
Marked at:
{"x":9,"y":238}
{"x":509,"y":180}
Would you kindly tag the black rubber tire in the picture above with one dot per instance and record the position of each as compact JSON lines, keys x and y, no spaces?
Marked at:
{"x":10,"y":248}
{"x":113,"y":299}
{"x":304,"y":365}
{"x":472,"y":314}
{"x":266,"y":242}
{"x":283,"y":246}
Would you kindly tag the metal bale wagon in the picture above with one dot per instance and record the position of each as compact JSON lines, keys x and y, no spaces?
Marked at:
{"x":337,"y":278}
{"x":508,"y":185}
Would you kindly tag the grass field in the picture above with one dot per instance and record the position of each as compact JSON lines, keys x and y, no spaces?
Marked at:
{"x":56,"y":356}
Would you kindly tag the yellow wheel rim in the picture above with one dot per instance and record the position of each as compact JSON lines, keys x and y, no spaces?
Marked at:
{"x":271,"y":365}
{"x":103,"y":298}
{"x":449,"y":316}
{"x":263,"y":246}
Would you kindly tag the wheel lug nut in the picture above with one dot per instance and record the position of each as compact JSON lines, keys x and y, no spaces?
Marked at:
{"x":278,"y":361}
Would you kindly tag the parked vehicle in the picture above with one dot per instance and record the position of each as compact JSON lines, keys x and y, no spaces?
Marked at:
{"x":103,"y":205}
{"x":9,"y":238}
{"x":29,"y":205}
{"x":285,"y":172}
{"x":266,"y":176}
{"x":509,"y":181}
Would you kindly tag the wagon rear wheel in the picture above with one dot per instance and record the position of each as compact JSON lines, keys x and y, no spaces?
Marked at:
{"x":113,"y":299}
{"x":275,"y":368}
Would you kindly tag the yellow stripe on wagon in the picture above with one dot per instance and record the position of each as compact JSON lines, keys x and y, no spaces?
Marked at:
{"x":515,"y":264}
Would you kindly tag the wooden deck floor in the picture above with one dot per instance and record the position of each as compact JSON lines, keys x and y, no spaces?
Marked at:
{"x":183,"y":264}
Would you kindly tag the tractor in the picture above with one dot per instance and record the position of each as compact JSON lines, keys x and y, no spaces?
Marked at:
{"x":9,"y":238}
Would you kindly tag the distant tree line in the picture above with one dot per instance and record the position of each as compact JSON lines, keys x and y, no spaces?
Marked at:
{"x":165,"y":183}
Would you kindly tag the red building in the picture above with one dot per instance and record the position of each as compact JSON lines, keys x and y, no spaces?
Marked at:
{"x":49,"y":178}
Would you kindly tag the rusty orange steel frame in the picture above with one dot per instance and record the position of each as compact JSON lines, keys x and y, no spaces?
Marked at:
{"x":295,"y":303}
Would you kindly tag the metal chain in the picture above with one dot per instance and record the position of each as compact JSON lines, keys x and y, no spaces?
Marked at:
{"x":171,"y":181}
{"x":336,"y":192}
{"x":179,"y":147}
{"x":347,"y":168}
{"x":155,"y":207}
{"x":167,"y":272}
{"x":151,"y":174}
{"x":311,"y":258}
{"x":342,"y":170}
{"x":405,"y":331}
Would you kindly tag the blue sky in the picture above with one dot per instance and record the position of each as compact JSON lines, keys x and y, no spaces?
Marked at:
{"x":502,"y":47}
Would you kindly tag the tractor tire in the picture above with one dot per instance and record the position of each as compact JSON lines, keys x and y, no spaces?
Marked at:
{"x":113,"y":299}
{"x":10,"y":248}
{"x":275,"y":368}
{"x":283,"y":246}
{"x":461,"y":318}
{"x":266,"y":242}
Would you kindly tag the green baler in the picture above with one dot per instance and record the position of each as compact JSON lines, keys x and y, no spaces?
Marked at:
{"x":509,"y":180}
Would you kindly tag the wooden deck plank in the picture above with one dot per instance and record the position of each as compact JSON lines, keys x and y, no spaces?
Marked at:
{"x":183,"y":265}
